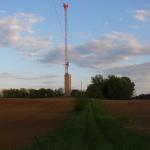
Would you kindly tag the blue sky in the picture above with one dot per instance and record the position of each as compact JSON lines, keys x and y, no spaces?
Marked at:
{"x":105,"y":37}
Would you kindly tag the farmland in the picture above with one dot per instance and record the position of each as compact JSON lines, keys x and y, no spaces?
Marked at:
{"x":22,"y":119}
{"x":134,"y":114}
{"x":89,"y":127}
{"x":91,"y":124}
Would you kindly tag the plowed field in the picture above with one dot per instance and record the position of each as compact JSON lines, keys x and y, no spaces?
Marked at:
{"x":135,"y":114}
{"x":23,"y":119}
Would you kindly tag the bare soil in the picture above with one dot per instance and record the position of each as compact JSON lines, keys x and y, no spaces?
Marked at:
{"x":23,"y":119}
{"x":134,"y":114}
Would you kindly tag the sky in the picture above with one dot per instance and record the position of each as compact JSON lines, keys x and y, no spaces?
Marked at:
{"x":104,"y":37}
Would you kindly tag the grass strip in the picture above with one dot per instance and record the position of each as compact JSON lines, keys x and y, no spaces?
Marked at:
{"x":69,"y":137}
{"x":88,"y":128}
{"x":80,"y":132}
{"x":95,"y":138}
{"x":121,"y":138}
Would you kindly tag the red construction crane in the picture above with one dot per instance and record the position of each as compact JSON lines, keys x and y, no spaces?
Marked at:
{"x":67,"y":77}
{"x":66,"y":39}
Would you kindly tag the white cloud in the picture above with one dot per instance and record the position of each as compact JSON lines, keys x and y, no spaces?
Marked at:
{"x":23,"y":76}
{"x":2,"y":12}
{"x":108,"y":51}
{"x":139,"y":73}
{"x":142,"y":15}
{"x":17,"y":31}
{"x":34,"y":48}
{"x":27,"y":80}
{"x":105,"y":53}
{"x":13,"y":27}
{"x":135,"y":26}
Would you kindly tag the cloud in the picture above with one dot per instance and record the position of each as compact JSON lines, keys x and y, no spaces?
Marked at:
{"x":108,"y":51}
{"x":2,"y":12}
{"x":17,"y":32}
{"x":12,"y":28}
{"x":27,"y":80}
{"x":6,"y":75}
{"x":142,"y":15}
{"x":139,"y":73}
{"x":34,"y":48}
{"x":111,"y":51}
{"x":134,"y":26}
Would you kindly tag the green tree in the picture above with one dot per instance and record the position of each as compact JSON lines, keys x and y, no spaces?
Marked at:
{"x":58,"y":92}
{"x":118,"y":87}
{"x":23,"y":93}
{"x":49,"y":93}
{"x":76,"y":93}
{"x":96,"y":87}
{"x":112,"y":87}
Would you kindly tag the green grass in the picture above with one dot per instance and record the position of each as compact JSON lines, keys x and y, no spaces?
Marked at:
{"x":121,"y":138}
{"x":88,"y":128}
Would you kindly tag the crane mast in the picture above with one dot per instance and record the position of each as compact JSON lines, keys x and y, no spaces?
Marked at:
{"x":67,"y":76}
{"x":66,"y":39}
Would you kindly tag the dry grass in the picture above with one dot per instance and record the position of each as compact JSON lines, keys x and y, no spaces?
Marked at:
{"x":135,"y":114}
{"x":22,"y":119}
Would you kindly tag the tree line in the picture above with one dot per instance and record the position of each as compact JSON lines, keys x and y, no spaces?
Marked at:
{"x":112,"y":87}
{"x":142,"y":96}
{"x":31,"y":93}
